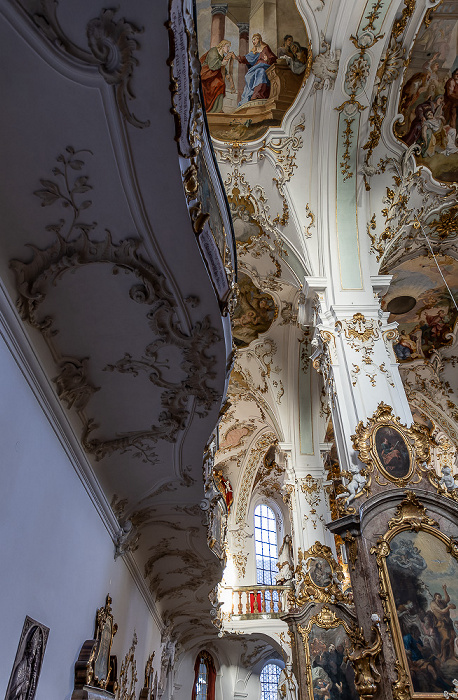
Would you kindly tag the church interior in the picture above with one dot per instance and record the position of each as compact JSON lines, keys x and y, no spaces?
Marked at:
{"x":228,"y":320}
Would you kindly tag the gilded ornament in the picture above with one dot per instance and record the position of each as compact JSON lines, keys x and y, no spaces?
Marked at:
{"x":326,"y":619}
{"x":128,"y":674}
{"x":99,"y":666}
{"x":393,"y":452}
{"x":362,"y":658}
{"x":352,"y":548}
{"x":319,"y":577}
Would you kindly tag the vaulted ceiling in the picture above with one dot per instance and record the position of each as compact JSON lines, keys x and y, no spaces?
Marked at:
{"x":105,"y":280}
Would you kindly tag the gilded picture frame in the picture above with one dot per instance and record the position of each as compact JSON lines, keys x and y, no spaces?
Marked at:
{"x":393,"y":452}
{"x":319,"y":576}
{"x":105,"y":630}
{"x":417,"y":614}
{"x":326,"y":630}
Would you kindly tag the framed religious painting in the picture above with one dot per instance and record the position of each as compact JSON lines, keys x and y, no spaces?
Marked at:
{"x":319,"y":576}
{"x":418,"y":570}
{"x":327,"y":645}
{"x":393,"y":452}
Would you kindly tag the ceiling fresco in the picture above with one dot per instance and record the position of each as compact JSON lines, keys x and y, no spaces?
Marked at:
{"x":429,"y":96}
{"x":422,"y":306}
{"x":254,"y":313}
{"x":255,"y":56}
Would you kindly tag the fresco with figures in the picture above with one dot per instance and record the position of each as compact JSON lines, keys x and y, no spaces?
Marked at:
{"x":424,"y":583}
{"x":429,"y":95}
{"x":245,"y":227}
{"x":332,"y":674}
{"x":254,"y":313}
{"x":421,"y":304}
{"x":255,"y":55}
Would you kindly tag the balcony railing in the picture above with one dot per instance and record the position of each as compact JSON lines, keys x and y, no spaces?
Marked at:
{"x":259,"y":601}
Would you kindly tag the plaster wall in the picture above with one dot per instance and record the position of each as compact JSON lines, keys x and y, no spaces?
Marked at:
{"x":57,"y":563}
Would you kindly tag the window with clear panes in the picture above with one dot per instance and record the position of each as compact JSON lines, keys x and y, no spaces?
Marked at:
{"x":202,"y":682}
{"x":265,"y":536}
{"x":269,"y":682}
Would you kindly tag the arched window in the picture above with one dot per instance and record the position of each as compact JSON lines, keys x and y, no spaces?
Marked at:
{"x":269,"y":682}
{"x":265,"y":536}
{"x":204,"y":677}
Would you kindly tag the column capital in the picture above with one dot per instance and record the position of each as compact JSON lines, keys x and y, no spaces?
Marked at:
{"x":220,"y":9}
{"x":244,"y":28}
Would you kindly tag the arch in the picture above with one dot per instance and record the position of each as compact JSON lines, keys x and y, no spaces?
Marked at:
{"x":204,"y":677}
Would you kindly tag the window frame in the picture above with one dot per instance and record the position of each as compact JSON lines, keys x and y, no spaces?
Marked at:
{"x":206,"y":658}
{"x":274,"y":690}
{"x":278,"y":531}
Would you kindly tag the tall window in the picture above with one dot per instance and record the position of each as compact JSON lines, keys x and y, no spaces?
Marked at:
{"x":269,"y":682}
{"x":202,"y":682}
{"x":204,"y":678}
{"x":265,"y":535}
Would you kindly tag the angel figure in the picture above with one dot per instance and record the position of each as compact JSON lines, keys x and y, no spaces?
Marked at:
{"x":447,"y":480}
{"x":356,"y":485}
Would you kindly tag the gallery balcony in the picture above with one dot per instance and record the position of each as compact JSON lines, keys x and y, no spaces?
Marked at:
{"x":257,"y":602}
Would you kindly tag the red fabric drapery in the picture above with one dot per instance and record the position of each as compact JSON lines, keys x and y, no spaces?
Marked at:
{"x":207,"y":659}
{"x":253,"y":603}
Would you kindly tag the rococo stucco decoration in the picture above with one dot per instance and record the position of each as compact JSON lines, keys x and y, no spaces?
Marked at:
{"x":35,"y":280}
{"x":111,"y":42}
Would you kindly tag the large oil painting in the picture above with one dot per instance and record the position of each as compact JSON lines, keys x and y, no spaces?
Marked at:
{"x":424,"y":583}
{"x":255,"y":55}
{"x":331,"y":673}
{"x":429,"y":96}
{"x":421,"y":304}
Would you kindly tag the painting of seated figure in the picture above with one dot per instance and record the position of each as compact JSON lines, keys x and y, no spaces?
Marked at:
{"x":255,"y":55}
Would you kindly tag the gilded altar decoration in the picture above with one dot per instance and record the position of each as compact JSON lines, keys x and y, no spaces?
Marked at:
{"x":148,"y":692}
{"x":255,"y":57}
{"x":418,"y":568}
{"x":105,"y":630}
{"x":363,"y":659}
{"x":391,"y":451}
{"x":319,"y":577}
{"x":327,"y":645}
{"x":128,"y":674}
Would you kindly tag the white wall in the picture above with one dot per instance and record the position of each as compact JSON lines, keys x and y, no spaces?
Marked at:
{"x":57,"y":561}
